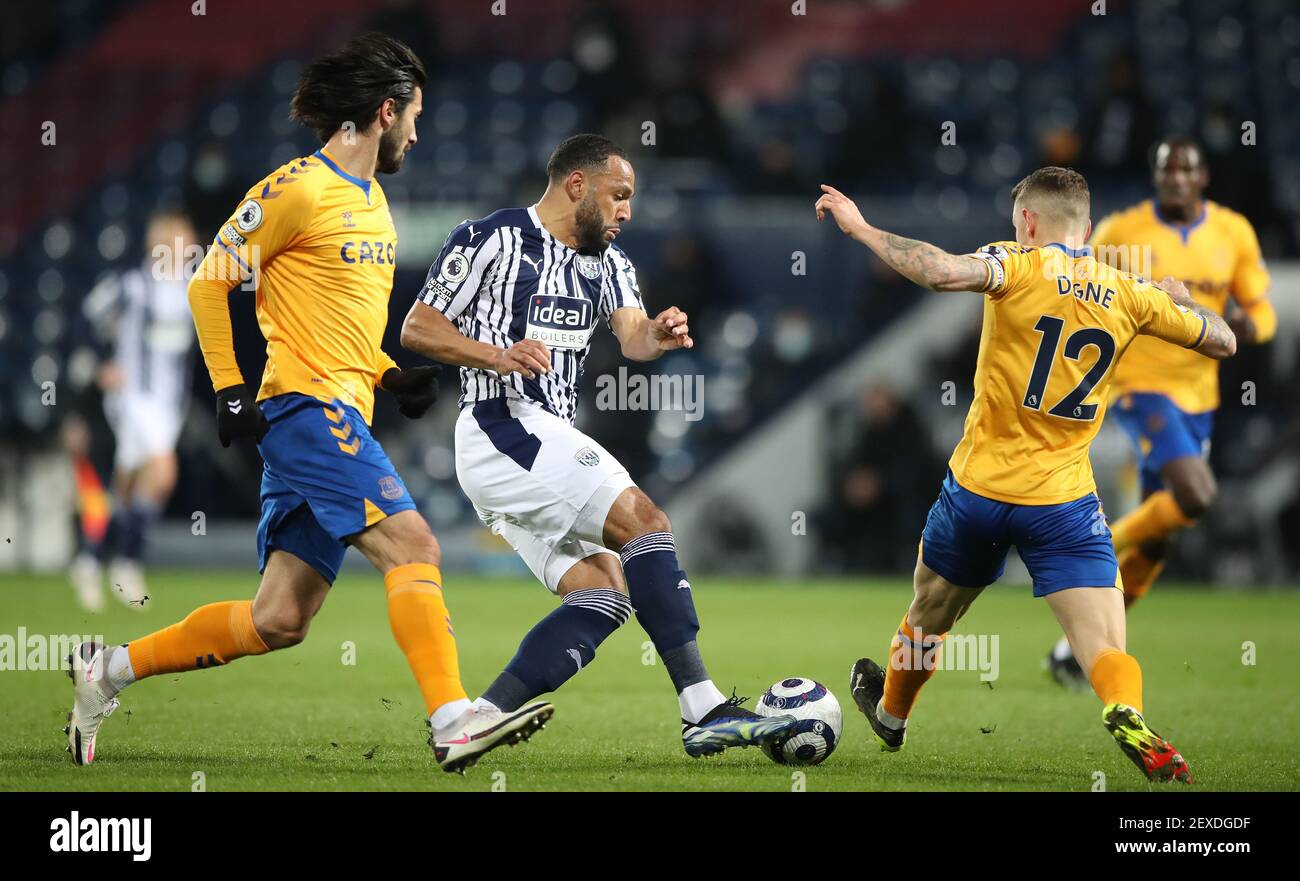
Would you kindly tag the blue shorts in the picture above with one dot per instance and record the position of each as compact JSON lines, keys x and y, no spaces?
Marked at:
{"x":1161,"y":433}
{"x":325,"y":478}
{"x":967,"y":537}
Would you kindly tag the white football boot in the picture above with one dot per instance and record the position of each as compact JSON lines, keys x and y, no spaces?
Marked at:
{"x":480,"y":730}
{"x":88,"y":581}
{"x":126,"y":581}
{"x":91,"y":702}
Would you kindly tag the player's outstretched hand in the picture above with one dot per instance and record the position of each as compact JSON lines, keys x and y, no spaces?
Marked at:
{"x":416,"y":388}
{"x":843,"y":209}
{"x":528,"y":357}
{"x":238,"y":415}
{"x":669,"y":330}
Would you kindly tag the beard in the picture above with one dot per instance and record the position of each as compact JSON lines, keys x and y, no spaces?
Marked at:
{"x":392,"y":150}
{"x":590,"y":226}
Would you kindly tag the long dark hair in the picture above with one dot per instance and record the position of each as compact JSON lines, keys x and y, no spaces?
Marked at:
{"x":353,"y":83}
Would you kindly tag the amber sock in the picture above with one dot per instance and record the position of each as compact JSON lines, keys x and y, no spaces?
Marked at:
{"x":913,"y":658}
{"x":1157,"y":518}
{"x":1117,"y":679}
{"x":1137,"y":573}
{"x":210,"y":636}
{"x":421,"y":625}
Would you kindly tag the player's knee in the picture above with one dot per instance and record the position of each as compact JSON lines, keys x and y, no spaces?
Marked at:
{"x":936,"y":604}
{"x":929,"y":612}
{"x":428,"y":548}
{"x":1195,"y":497}
{"x":282,"y":628}
{"x":649,"y":517}
{"x":929,"y":586}
{"x":634,"y":515}
{"x":933,"y":613}
{"x":655,"y":520}
{"x":416,"y":543}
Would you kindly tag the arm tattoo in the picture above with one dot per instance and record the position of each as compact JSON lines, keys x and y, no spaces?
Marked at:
{"x":1218,"y":336}
{"x":927,"y":265}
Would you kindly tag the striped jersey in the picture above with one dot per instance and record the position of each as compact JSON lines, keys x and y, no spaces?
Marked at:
{"x":147,"y":321}
{"x":504,"y":278}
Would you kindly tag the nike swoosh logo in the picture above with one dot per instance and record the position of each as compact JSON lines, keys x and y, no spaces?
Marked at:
{"x":464,"y":738}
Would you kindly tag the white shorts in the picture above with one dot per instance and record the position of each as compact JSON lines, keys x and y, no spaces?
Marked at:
{"x":143,"y":427}
{"x":537,"y":482}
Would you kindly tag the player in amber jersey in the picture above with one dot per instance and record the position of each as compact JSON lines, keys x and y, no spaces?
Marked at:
{"x":1166,"y":397}
{"x":1055,"y":322}
{"x":316,"y":239}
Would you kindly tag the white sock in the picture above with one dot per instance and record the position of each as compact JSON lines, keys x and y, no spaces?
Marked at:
{"x":1062,"y":650}
{"x":696,"y":700}
{"x":118,"y":671}
{"x":888,"y":720}
{"x":448,"y":713}
{"x":485,"y":704}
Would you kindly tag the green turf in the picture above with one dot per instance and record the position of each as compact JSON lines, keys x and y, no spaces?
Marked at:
{"x":301,"y":719}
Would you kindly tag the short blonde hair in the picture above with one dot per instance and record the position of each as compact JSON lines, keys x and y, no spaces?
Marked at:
{"x":1059,"y":193}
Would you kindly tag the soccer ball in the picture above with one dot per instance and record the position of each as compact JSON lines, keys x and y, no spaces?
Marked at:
{"x":820,"y":721}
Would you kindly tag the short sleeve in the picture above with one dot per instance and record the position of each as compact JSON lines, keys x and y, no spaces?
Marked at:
{"x":620,"y":290}
{"x":454,"y":278}
{"x":1009,"y":267}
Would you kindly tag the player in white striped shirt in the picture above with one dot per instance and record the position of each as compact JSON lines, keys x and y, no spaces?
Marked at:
{"x":142,"y":320}
{"x":513,"y":299}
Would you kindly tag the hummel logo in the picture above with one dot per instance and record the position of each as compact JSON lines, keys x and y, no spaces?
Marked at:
{"x":683,"y":585}
{"x":472,"y":233}
{"x":532,"y":263}
{"x":235,"y":406}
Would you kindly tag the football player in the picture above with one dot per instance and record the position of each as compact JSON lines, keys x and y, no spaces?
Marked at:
{"x":513,"y":299}
{"x":1055,"y":321}
{"x":317,"y":239}
{"x":1166,"y":396}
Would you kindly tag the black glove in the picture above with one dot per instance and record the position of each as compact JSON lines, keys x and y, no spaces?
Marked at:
{"x":415,"y":388}
{"x":239,"y":416}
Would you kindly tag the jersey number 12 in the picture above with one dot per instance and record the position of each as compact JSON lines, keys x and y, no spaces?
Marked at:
{"x":1072,"y":406}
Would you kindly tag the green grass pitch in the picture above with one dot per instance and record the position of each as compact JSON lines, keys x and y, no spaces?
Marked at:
{"x":304,"y":720}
